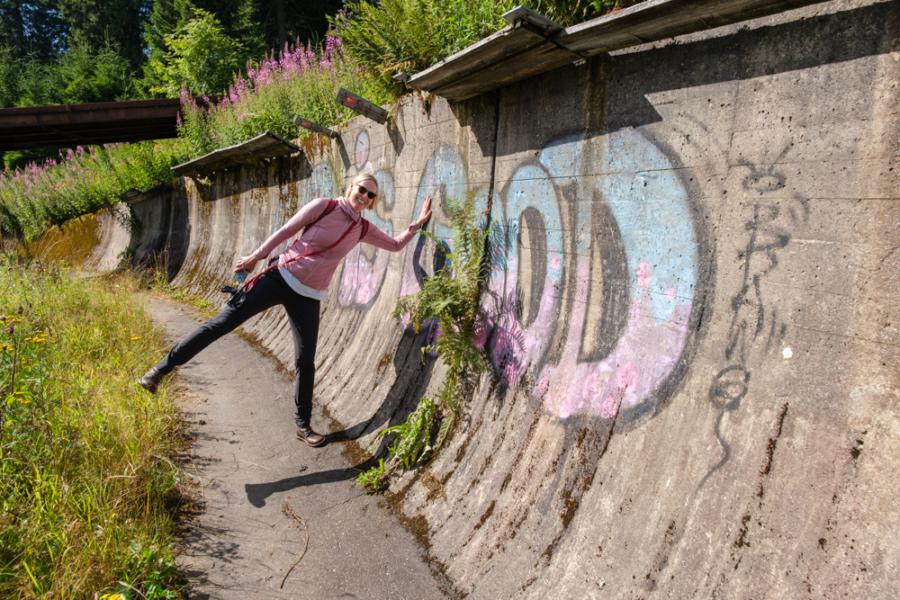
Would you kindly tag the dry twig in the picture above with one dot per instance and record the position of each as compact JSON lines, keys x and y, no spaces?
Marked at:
{"x":288,"y":510}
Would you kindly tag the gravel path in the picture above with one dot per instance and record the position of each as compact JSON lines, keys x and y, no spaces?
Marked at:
{"x":252,"y":475}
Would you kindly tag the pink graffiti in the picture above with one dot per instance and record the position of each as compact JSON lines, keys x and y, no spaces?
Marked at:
{"x":606,"y":386}
{"x":361,"y":277}
{"x":514,"y":348}
{"x":643,"y":273}
{"x":480,"y":332}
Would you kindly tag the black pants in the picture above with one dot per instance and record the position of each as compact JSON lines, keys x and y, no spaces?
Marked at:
{"x":269,"y":290}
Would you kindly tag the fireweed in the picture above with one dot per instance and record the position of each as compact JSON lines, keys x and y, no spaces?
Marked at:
{"x":299,"y":80}
{"x":81,"y":181}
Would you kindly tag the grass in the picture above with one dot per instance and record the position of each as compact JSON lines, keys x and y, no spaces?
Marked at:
{"x":87,"y":481}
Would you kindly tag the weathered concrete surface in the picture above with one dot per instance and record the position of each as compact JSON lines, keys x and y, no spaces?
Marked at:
{"x":690,"y":314}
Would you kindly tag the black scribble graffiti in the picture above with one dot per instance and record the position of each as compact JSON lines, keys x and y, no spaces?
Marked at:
{"x":754,"y":323}
{"x":764,"y":179}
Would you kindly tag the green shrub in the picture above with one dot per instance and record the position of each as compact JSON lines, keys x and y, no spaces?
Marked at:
{"x":411,"y":35}
{"x":198,"y":55}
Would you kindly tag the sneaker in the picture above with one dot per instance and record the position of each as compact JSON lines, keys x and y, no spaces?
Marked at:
{"x":306,"y":434}
{"x":150,"y":380}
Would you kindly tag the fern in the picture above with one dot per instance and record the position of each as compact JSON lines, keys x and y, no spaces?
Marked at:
{"x":448,"y":301}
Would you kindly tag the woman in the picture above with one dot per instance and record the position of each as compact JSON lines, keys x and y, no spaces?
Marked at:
{"x":298,"y":281}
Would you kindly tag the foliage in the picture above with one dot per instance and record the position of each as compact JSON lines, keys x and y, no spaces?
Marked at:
{"x":38,"y":196}
{"x":411,"y":35}
{"x":286,"y":21}
{"x":448,"y":301}
{"x":373,"y":480}
{"x":198,"y":55}
{"x":299,"y":80}
{"x":32,"y":29}
{"x":86,"y":479}
{"x":113,"y":24}
{"x":87,"y":75}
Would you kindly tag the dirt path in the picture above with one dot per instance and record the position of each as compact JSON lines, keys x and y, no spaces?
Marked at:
{"x":248,"y":467}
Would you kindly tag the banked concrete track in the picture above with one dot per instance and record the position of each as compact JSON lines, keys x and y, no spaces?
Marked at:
{"x":690,"y":313}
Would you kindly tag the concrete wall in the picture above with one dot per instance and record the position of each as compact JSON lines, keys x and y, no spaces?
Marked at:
{"x":690,"y":314}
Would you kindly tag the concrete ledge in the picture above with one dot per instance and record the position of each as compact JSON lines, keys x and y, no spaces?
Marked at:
{"x":518,"y":52}
{"x":264,"y":146}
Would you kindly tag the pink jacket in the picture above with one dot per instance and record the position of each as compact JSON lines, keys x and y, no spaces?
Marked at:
{"x":316,"y":271}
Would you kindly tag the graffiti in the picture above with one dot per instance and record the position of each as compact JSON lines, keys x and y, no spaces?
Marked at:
{"x":594,"y":270}
{"x":361,"y":153}
{"x":755,"y":323}
{"x":444,"y":176}
{"x":644,"y":221}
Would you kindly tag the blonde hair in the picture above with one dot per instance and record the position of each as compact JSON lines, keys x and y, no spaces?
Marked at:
{"x":359,"y":179}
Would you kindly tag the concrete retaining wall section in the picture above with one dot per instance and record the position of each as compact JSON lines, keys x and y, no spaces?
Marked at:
{"x":689,"y":314}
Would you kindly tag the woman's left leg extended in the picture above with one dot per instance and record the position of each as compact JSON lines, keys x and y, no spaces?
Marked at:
{"x":266,"y":293}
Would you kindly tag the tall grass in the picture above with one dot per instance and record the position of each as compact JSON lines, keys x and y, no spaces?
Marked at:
{"x":85,"y":455}
{"x":82,"y":181}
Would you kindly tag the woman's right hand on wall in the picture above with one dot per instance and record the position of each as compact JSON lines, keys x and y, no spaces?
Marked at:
{"x":245,"y":263}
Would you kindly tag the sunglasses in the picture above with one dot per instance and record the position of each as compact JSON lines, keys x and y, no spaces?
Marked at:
{"x":363,"y":190}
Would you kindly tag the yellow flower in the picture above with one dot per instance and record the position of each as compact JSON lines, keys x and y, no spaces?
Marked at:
{"x":116,"y":596}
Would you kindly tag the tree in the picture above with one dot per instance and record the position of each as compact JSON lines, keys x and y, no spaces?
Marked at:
{"x":168,"y":18}
{"x":32,"y":29}
{"x":117,"y":24}
{"x":94,"y":76}
{"x":199,"y":55}
{"x":284,"y":21}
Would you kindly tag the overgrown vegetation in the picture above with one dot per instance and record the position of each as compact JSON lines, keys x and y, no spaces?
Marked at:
{"x":195,"y":50}
{"x":411,"y":35}
{"x":81,"y":182}
{"x":86,"y":475}
{"x":299,"y":80}
{"x":447,"y":302}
